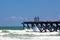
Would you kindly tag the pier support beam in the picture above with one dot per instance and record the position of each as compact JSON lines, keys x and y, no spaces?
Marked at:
{"x":28,"y":26}
{"x":55,"y":27}
{"x":39,"y":26}
{"x":32,"y":25}
{"x":51,"y":27}
{"x":23,"y":26}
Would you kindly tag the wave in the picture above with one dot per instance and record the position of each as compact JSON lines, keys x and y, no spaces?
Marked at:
{"x":23,"y":35}
{"x":22,"y":32}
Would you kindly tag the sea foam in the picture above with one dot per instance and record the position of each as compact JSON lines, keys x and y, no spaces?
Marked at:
{"x":23,"y":35}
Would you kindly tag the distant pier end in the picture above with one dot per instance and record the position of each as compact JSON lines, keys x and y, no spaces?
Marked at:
{"x":43,"y":25}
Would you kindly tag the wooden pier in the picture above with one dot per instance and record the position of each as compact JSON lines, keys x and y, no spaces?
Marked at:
{"x":42,"y":25}
{"x":47,"y":25}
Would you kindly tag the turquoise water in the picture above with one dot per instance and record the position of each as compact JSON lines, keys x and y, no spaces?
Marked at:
{"x":11,"y":28}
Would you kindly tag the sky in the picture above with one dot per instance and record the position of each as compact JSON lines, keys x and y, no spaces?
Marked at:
{"x":14,"y":12}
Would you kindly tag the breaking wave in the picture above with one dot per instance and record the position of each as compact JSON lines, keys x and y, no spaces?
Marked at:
{"x":23,"y":35}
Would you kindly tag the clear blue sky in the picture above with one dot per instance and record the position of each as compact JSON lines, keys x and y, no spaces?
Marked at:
{"x":12,"y":12}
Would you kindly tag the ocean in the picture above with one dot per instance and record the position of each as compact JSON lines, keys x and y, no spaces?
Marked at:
{"x":11,"y":28}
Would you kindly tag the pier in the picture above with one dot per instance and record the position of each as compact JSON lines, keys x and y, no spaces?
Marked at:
{"x":42,"y":25}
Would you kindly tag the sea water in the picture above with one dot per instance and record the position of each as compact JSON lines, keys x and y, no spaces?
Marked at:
{"x":11,"y":28}
{"x":17,"y":33}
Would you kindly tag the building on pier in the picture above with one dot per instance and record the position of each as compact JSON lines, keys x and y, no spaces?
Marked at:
{"x":36,"y":19}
